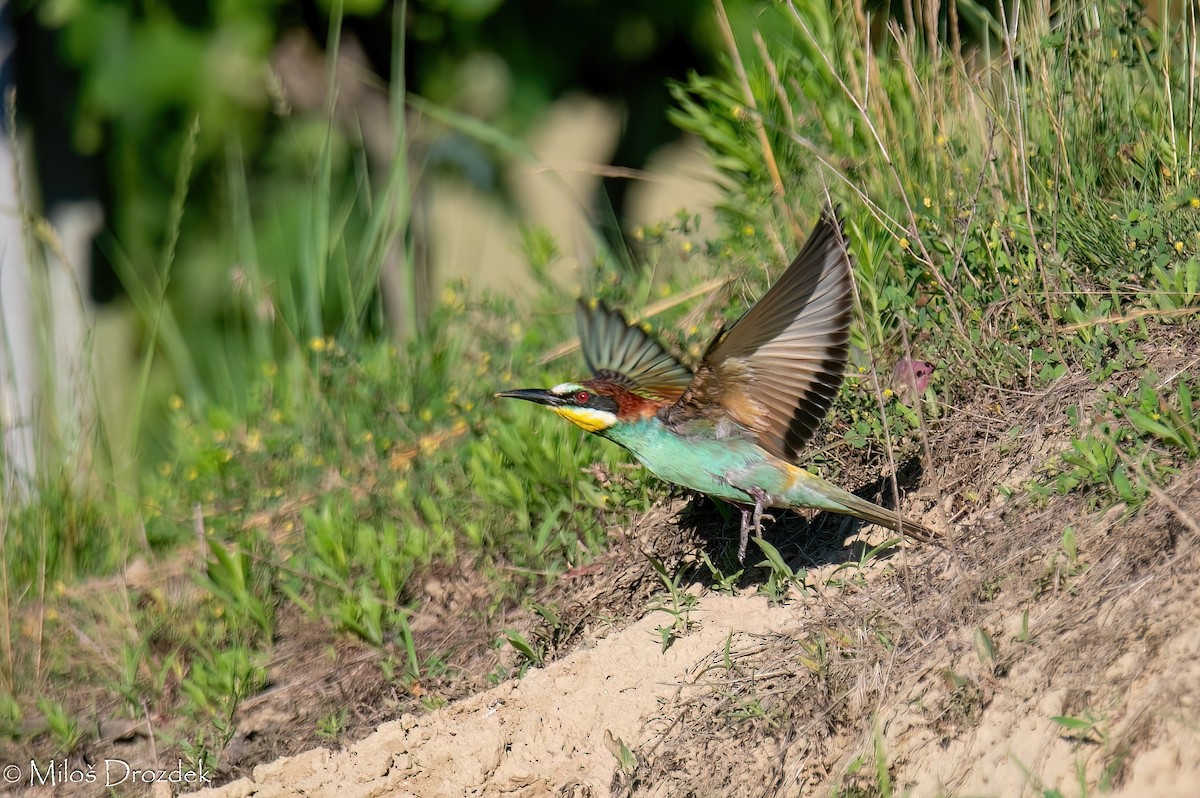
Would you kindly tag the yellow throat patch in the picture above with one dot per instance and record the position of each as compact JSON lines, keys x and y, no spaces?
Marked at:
{"x":587,"y":418}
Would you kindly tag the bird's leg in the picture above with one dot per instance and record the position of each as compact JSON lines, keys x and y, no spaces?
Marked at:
{"x":760,"y":501}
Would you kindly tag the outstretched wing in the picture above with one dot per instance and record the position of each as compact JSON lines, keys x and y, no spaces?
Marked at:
{"x":778,"y":369}
{"x":627,"y":355}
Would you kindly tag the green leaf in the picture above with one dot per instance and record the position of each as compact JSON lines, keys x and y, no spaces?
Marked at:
{"x":1072,"y":723}
{"x":774,"y":559}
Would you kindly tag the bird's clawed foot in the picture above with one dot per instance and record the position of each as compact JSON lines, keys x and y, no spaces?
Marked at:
{"x":760,"y":502}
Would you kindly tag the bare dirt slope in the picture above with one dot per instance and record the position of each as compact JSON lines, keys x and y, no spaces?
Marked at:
{"x":920,"y":672}
{"x":550,"y":731}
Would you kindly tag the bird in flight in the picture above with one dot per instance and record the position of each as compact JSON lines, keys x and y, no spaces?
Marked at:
{"x":732,"y":429}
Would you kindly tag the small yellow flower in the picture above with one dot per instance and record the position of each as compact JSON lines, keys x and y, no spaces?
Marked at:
{"x":175,"y":402}
{"x":1195,"y":202}
{"x":1192,"y":171}
{"x":316,"y":343}
{"x":254,"y":440}
{"x":1179,"y":246}
{"x":226,"y":455}
{"x":1112,"y":53}
{"x":270,"y":368}
{"x":449,"y":296}
{"x":289,"y":525}
{"x":887,"y":393}
{"x":941,"y":140}
{"x":739,"y":113}
{"x":468,"y":406}
{"x":51,"y":614}
{"x":192,"y":474}
{"x":639,"y":233}
{"x":687,"y":246}
{"x":165,"y":469}
{"x":904,"y":243}
{"x":276,"y":492}
{"x":928,"y":202}
{"x":276,"y":416}
{"x":220,"y":435}
{"x":514,"y":329}
{"x":1155,"y":416}
{"x":426,"y":414}
{"x":748,"y":230}
{"x":367,"y":436}
{"x":693,"y":330}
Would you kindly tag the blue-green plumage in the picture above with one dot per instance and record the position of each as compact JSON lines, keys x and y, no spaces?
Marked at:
{"x":730,"y":467}
{"x":700,"y":460}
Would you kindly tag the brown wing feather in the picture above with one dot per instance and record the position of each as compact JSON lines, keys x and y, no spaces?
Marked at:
{"x":778,"y":369}
{"x":627,"y":356}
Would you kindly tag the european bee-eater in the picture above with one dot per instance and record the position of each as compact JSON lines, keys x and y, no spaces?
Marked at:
{"x":732,"y":429}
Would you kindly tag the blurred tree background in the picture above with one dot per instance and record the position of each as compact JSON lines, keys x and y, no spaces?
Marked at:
{"x":130,"y":103}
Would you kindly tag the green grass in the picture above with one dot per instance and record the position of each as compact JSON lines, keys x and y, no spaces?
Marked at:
{"x":1012,"y":233}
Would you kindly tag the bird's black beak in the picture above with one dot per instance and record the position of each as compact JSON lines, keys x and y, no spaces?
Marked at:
{"x":536,"y":395}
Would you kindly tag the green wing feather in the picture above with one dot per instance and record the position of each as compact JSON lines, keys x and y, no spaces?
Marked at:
{"x":778,"y":369}
{"x":627,"y":355}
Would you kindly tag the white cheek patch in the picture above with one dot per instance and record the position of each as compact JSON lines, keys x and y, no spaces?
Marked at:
{"x":589,"y":418}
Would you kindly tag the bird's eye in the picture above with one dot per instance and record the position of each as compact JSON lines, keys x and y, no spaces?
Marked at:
{"x":582,"y":397}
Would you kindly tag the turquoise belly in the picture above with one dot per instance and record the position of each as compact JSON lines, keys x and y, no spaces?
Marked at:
{"x":718,"y":467}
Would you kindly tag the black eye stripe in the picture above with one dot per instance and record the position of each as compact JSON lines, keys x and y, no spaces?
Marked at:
{"x":605,"y":403}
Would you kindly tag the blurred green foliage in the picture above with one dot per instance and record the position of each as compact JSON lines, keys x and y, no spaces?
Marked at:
{"x":275,"y":193}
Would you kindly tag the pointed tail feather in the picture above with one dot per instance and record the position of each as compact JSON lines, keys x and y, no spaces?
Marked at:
{"x":809,"y":490}
{"x":868,"y":511}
